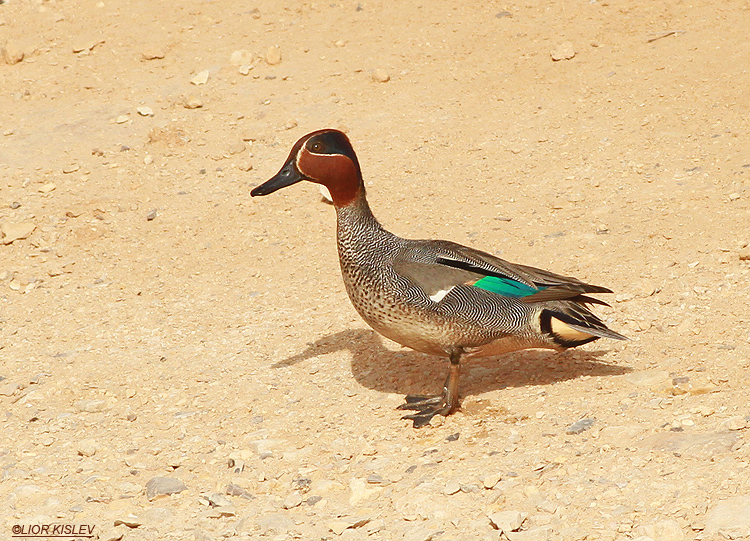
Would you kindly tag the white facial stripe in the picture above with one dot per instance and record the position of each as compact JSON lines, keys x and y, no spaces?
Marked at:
{"x":437,"y":297}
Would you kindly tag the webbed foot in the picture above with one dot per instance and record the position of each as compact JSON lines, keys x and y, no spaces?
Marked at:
{"x":426,"y":407}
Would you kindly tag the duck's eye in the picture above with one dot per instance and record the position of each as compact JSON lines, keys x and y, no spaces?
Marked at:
{"x":317,"y":146}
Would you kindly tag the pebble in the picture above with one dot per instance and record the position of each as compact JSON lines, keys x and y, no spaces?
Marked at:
{"x":10,"y":232}
{"x":47,"y":187}
{"x":131,"y":521}
{"x":582,"y":425}
{"x":156,"y":515}
{"x":244,"y":69}
{"x":192,"y":102}
{"x":122,"y":119}
{"x":360,"y":491}
{"x":273,"y":55}
{"x":163,"y":486}
{"x":145,"y":111}
{"x":564,"y":51}
{"x":153,"y":54}
{"x":12,"y":53}
{"x":381,"y":76}
{"x":71,"y":168}
{"x":652,"y":379}
{"x":236,"y":490}
{"x":236,"y":148}
{"x":704,"y":446}
{"x":92,"y":405}
{"x":241,"y":57}
{"x":737,"y":422}
{"x":451,"y":487}
{"x":665,"y":530}
{"x":729,"y":518}
{"x":148,"y":160}
{"x":88,"y":447}
{"x":293,"y":500}
{"x":9,"y":389}
{"x":200,"y":78}
{"x":490,"y":480}
{"x":151,"y":215}
{"x":507,"y":521}
{"x":276,"y":522}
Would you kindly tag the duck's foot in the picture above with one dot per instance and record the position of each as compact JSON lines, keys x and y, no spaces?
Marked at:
{"x":443,"y":404}
{"x":426,"y":407}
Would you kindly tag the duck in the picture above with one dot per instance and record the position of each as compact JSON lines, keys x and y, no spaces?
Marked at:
{"x":436,"y":296}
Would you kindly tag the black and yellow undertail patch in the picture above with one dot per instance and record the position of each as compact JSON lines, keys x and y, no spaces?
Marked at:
{"x":565,"y":330}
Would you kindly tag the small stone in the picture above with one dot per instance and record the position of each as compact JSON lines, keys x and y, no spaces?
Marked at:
{"x":564,"y":51}
{"x":490,"y":480}
{"x":192,"y":102}
{"x":151,"y":215}
{"x":293,"y":500}
{"x":582,"y":425}
{"x":236,"y":148}
{"x":131,"y":521}
{"x":156,"y":515}
{"x":71,"y":168}
{"x":92,"y":405}
{"x":240,"y":57}
{"x":437,"y":421}
{"x":200,"y":78}
{"x":664,"y":530}
{"x":236,"y":490}
{"x":12,"y":53}
{"x":218,"y":500}
{"x":381,"y":76}
{"x":737,"y":422}
{"x":273,"y":55}
{"x":236,"y":465}
{"x":360,"y":491}
{"x":729,"y":519}
{"x":47,"y":187}
{"x":163,"y":486}
{"x":87,"y":447}
{"x":9,"y":389}
{"x":122,"y":119}
{"x":145,"y":111}
{"x":338,"y":526}
{"x":507,"y":521}
{"x":10,"y":232}
{"x":244,"y":69}
{"x":652,"y":379}
{"x":276,"y":523}
{"x":744,"y":254}
{"x":375,"y":479}
{"x":148,"y":160}
{"x":451,"y":487}
{"x":153,"y":54}
{"x":688,"y":444}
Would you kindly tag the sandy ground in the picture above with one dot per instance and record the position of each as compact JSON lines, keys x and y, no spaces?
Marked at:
{"x":155,"y":322}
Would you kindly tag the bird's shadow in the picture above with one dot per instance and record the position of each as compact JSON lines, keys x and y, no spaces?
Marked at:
{"x":408,"y":372}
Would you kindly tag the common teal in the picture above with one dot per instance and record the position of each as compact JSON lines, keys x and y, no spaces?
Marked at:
{"x":436,"y":296}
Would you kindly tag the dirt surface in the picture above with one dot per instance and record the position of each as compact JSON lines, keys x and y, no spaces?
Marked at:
{"x":157,"y":322}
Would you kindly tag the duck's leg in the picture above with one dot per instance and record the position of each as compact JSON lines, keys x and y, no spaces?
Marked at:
{"x":444,"y":404}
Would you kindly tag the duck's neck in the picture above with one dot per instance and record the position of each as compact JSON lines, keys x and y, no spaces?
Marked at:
{"x":356,"y":223}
